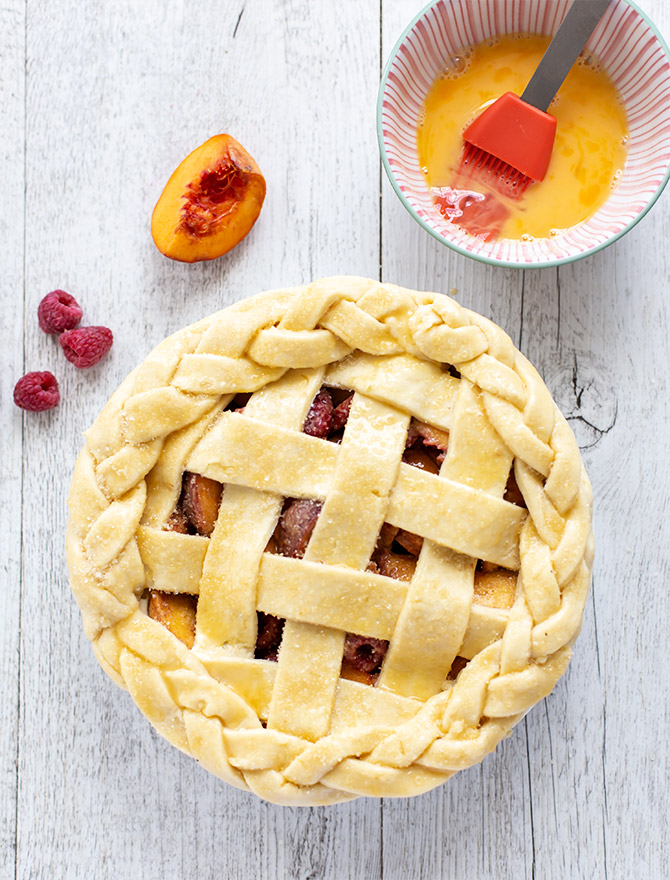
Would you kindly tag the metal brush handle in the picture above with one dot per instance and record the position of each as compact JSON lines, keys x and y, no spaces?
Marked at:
{"x":568,"y":41}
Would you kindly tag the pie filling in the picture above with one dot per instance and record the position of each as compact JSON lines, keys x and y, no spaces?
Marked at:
{"x":395,"y":555}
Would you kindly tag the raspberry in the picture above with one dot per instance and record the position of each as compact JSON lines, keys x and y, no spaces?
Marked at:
{"x":320,"y":416}
{"x":85,"y":346}
{"x":37,"y":392}
{"x":58,"y":311}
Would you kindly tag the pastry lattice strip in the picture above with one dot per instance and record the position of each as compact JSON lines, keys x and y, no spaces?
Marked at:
{"x":345,"y":535}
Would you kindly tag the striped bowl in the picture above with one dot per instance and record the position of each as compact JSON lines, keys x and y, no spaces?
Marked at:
{"x":629,"y":48}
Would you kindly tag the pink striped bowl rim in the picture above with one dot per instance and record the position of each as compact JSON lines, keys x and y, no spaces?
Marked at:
{"x":630,"y":49}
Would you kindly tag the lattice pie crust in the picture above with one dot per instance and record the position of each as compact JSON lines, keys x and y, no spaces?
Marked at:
{"x":458,"y":672}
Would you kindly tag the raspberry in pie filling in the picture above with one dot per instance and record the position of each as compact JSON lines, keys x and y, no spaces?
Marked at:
{"x":363,"y":658}
{"x":319,"y":421}
{"x":425,"y":447}
{"x":328,"y":414}
{"x":268,"y":640}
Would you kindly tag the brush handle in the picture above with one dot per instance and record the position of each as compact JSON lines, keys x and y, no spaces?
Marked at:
{"x":569,"y":40}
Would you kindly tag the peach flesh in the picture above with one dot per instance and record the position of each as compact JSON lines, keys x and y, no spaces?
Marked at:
{"x":210,"y":202}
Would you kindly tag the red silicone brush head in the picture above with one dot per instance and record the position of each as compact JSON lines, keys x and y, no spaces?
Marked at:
{"x":517,"y":133}
{"x":485,"y":168}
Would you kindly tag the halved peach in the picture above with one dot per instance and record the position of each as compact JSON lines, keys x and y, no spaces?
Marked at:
{"x":210,"y":203}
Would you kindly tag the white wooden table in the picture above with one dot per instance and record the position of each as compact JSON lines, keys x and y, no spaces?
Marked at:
{"x":100,"y":101}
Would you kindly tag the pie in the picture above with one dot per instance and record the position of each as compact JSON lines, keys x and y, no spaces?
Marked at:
{"x":334,"y":540}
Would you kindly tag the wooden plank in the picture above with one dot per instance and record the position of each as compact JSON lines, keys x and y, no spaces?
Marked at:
{"x":599,"y":775}
{"x":479,"y":824}
{"x":565,"y":765}
{"x":12,"y":101}
{"x":118,"y":94}
{"x":614,"y":348}
{"x":323,"y":842}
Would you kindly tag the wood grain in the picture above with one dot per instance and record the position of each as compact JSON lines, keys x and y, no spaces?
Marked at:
{"x":100,"y":102}
{"x":12,"y":102}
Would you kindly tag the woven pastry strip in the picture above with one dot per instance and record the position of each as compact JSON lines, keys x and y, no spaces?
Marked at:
{"x":345,"y":534}
{"x":294,"y":731}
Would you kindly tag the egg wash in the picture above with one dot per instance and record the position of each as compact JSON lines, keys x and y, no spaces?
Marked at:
{"x":591,"y":134}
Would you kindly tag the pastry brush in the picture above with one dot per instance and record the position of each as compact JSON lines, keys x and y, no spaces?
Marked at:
{"x":511,"y":142}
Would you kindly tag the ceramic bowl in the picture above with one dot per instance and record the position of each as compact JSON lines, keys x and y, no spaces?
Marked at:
{"x":630,"y":49}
